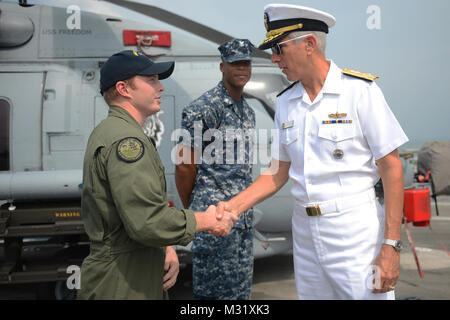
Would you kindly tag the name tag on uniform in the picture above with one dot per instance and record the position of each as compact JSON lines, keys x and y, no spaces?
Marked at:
{"x":288,"y":124}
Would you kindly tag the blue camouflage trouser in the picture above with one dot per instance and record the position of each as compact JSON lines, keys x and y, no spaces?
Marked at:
{"x":223,"y":270}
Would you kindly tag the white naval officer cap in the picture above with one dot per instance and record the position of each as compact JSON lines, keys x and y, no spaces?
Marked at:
{"x":281,"y":19}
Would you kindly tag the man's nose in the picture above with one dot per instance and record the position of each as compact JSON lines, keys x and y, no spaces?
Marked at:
{"x":161,"y":87}
{"x":275,"y":57}
{"x":241,"y":65}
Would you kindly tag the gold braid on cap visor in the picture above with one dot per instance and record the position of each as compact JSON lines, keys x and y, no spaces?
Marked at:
{"x":272,"y":34}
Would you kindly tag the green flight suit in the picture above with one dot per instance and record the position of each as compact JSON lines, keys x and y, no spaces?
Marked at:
{"x":126,"y":215}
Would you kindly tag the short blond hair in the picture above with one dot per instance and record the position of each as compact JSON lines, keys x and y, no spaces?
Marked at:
{"x":111,"y":94}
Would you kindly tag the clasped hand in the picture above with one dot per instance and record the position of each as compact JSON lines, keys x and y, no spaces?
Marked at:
{"x":222,"y":223}
{"x":223,"y":211}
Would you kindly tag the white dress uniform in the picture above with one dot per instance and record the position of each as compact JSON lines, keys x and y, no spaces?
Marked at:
{"x":333,"y":166}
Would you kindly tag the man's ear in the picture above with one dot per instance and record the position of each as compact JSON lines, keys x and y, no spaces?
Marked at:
{"x":221,"y":67}
{"x":310,"y":44}
{"x":122,"y":89}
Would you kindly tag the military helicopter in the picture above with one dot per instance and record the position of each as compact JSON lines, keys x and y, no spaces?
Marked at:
{"x":50,"y":56}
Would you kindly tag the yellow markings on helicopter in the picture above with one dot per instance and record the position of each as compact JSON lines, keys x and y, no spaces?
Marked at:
{"x":68,"y":214}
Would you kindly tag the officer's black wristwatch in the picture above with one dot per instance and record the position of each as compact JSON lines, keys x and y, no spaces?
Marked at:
{"x":397,"y":244}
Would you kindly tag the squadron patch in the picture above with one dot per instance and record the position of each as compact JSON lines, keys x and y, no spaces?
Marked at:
{"x":130,"y":149}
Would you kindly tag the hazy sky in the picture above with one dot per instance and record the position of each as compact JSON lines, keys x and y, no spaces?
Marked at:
{"x":405,"y":42}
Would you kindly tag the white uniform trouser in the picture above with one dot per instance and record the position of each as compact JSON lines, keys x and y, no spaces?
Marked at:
{"x":334,"y":253}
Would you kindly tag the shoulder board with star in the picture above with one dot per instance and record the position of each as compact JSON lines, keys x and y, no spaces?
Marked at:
{"x":360,"y":75}
{"x":286,"y":89}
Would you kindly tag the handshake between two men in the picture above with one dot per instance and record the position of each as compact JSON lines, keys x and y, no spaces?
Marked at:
{"x":216,"y":220}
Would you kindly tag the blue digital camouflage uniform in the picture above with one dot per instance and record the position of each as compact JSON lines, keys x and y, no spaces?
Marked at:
{"x":222,"y":266}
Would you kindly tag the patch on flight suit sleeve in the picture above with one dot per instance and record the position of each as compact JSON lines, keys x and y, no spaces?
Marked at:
{"x":361,"y":75}
{"x":292,"y":84}
{"x":130,"y":149}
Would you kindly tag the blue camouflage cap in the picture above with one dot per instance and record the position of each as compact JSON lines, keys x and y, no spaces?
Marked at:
{"x":236,"y":50}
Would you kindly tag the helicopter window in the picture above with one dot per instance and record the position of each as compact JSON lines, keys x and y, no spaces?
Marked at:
{"x":264,"y":87}
{"x":4,"y":134}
